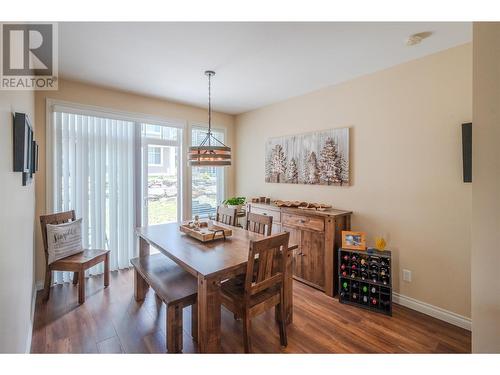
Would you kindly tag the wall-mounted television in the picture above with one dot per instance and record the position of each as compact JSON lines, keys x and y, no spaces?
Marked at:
{"x":467,"y":151}
{"x":25,"y":148}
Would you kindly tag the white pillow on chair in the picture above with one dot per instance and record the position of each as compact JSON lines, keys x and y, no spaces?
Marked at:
{"x":64,"y":240}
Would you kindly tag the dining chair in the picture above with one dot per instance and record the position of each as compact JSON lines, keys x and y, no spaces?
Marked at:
{"x":226,"y":215}
{"x":263,"y":286}
{"x":76,"y":263}
{"x":259,"y":223}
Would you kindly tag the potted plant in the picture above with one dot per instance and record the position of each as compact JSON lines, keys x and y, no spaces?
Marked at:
{"x":235,"y":202}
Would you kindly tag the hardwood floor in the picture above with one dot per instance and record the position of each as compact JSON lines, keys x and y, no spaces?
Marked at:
{"x":111,"y":321}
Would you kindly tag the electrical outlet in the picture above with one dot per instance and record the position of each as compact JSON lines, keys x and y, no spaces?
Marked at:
{"x":407,"y":275}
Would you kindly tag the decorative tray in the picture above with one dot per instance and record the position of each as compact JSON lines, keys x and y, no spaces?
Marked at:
{"x":206,"y":232}
{"x":303,"y":205}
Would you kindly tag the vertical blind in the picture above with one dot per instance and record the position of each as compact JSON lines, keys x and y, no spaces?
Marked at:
{"x":94,"y":175}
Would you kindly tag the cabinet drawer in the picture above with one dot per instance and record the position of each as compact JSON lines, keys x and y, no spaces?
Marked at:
{"x":304,"y":222}
{"x":261,"y":211}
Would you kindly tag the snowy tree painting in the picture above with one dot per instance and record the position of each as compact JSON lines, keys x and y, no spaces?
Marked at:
{"x":312,"y":158}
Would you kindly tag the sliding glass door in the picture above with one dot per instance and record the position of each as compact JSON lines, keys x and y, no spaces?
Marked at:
{"x":161,"y":174}
{"x":119,"y":171}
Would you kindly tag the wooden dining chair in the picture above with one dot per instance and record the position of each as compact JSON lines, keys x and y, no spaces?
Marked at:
{"x":226,"y":215}
{"x":258,"y":223}
{"x":76,"y":263}
{"x":263,"y":287}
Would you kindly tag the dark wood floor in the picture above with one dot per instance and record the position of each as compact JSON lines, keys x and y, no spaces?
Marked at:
{"x":111,"y":321}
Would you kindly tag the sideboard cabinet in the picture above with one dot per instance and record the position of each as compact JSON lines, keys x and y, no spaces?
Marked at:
{"x":318,"y":236}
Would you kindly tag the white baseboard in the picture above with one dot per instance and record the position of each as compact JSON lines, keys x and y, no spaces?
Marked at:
{"x":32,"y":317}
{"x":431,"y":310}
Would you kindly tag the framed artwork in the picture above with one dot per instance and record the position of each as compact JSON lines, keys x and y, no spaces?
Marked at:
{"x":353,"y":240}
{"x":318,"y":158}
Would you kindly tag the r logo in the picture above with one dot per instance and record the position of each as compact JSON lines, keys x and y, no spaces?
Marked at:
{"x":27,"y":50}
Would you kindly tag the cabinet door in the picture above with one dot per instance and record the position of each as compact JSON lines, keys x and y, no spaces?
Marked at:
{"x":297,"y":253}
{"x":313,"y":257}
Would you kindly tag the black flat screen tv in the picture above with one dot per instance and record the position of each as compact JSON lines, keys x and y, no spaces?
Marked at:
{"x":25,"y":148}
{"x":467,"y":151}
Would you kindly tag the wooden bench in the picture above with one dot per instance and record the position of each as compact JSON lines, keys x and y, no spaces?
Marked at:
{"x":175,"y":287}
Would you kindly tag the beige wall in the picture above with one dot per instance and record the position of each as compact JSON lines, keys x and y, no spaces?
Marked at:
{"x":406,"y":165}
{"x":486,"y":192}
{"x":17,"y":218}
{"x":81,"y":93}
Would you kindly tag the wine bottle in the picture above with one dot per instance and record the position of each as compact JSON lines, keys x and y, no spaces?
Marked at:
{"x":354,"y":274}
{"x":354,"y":285}
{"x":354,"y":296}
{"x":373,"y":290}
{"x":365,"y":299}
{"x":346,"y":257}
{"x":354,"y":258}
{"x":342,"y":266}
{"x":374,"y":301}
{"x":364,"y":289}
{"x":345,"y":285}
{"x":344,"y":273}
{"x":354,"y":266}
{"x":364,"y":275}
{"x":374,"y":277}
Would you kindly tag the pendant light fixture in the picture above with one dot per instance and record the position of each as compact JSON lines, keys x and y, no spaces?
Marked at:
{"x":211,"y":152}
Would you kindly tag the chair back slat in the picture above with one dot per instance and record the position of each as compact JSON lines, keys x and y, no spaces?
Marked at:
{"x":54,"y":219}
{"x":267,"y":272}
{"x":226,"y":215}
{"x":259,"y":223}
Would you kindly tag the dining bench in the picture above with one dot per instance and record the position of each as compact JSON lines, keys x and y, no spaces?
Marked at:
{"x":175,"y":287}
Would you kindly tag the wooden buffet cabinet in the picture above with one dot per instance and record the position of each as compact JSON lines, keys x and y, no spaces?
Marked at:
{"x":318,"y":234}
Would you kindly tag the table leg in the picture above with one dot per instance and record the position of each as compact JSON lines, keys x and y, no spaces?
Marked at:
{"x":141,"y":287}
{"x":143,"y":247}
{"x":209,"y":315}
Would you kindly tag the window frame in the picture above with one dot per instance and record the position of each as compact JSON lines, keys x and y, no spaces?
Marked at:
{"x":185,"y":174}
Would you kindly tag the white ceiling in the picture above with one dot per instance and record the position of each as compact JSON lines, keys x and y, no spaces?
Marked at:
{"x":256,"y":63}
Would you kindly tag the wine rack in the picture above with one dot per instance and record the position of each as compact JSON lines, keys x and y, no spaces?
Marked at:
{"x":365,"y":279}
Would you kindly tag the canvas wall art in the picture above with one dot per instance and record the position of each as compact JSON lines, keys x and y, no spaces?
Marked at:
{"x":319,"y":158}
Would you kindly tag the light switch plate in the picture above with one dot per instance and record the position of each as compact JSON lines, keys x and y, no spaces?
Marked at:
{"x":407,"y":275}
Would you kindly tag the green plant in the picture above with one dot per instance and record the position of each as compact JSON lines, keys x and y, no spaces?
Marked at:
{"x":235,"y":201}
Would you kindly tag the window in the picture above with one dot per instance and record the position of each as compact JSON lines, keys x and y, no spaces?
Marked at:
{"x":119,"y":171}
{"x":207,"y":182}
{"x":161,"y":176}
{"x":154,"y":156}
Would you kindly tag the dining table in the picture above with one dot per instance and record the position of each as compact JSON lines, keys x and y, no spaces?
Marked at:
{"x":211,"y":263}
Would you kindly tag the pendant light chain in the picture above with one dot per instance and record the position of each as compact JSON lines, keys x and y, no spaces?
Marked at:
{"x":209,"y":108}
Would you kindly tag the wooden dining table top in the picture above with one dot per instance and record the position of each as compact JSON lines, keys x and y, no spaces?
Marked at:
{"x":202,"y":258}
